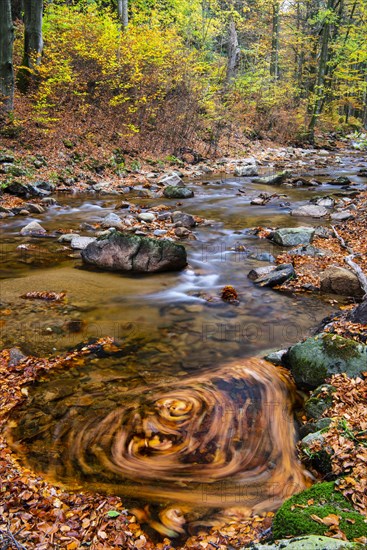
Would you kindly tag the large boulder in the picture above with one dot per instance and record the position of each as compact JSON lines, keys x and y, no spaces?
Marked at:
{"x":359,"y":314}
{"x":246,"y":171}
{"x":297,"y":515}
{"x":342,"y":281}
{"x":275,"y":179}
{"x":177,"y":192}
{"x":293,"y":236}
{"x":33,"y":229}
{"x":318,"y":358}
{"x":132,"y":253}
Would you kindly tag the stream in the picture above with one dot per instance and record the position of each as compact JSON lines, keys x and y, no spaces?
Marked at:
{"x":184,"y":368}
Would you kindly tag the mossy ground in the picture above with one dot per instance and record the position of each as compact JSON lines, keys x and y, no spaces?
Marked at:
{"x":294,"y":516}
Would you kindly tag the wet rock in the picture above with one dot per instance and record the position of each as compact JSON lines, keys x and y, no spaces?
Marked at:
{"x":159,"y":232}
{"x":327,"y":202}
{"x":146,"y":217}
{"x":172,"y":180}
{"x":67,"y":237}
{"x":177,"y":192}
{"x":49,"y":201}
{"x":185,"y":220}
{"x":311,"y":542}
{"x":260,"y":272}
{"x":246,"y":171}
{"x":80,"y":243}
{"x":318,"y":358}
{"x":23,"y":190}
{"x":34,"y":208}
{"x":182,"y":232}
{"x":313,"y":427}
{"x":122,"y":205}
{"x":310,"y":210}
{"x":341,"y":180}
{"x":275,"y":179}
{"x":276,"y":357}
{"x":111,"y":220}
{"x":131,"y":253}
{"x":293,"y":236}
{"x":33,"y":229}
{"x":341,"y":281}
{"x":277,"y":276}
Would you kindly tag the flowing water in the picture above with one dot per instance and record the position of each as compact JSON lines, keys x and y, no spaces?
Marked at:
{"x":181,"y":414}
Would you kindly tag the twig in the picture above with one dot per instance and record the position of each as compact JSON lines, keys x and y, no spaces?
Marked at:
{"x":349,"y":260}
{"x":8,"y":540}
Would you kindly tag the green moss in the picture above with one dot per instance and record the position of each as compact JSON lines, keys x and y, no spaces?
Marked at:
{"x":336,"y":346}
{"x":294,"y":516}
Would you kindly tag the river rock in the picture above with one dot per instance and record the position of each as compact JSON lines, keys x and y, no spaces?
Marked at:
{"x":246,"y":171}
{"x":308,"y":250}
{"x":293,"y":236}
{"x":262,"y":257}
{"x":171,"y":180}
{"x":132,"y":253}
{"x":146,"y":217}
{"x":67,"y":237}
{"x":310,"y":210}
{"x":80,"y":243}
{"x":34,"y":208}
{"x":319,"y":401}
{"x":182,"y":232}
{"x":311,"y":542}
{"x":277,"y":276}
{"x":275,"y":179}
{"x":260,"y":272}
{"x":111,"y":220}
{"x":186,"y":220}
{"x":318,"y":358}
{"x":342,"y":216}
{"x":327,"y":202}
{"x":33,"y":229}
{"x":177,"y":192}
{"x":359,"y":314}
{"x":341,"y":180}
{"x":341,"y":281}
{"x":276,"y":357}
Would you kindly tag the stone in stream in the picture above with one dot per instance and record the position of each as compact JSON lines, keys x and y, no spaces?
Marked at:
{"x":260,"y":272}
{"x":34,"y":208}
{"x":132,"y":253}
{"x":246,"y":171}
{"x":275,"y":179}
{"x":309,"y":250}
{"x":342,"y":216}
{"x":177,"y":192}
{"x":341,"y":281}
{"x":341,"y":180}
{"x":111,"y":220}
{"x":327,"y":202}
{"x":33,"y":229}
{"x":293,"y":236}
{"x":171,"y":180}
{"x":26,"y":190}
{"x":310,"y":210}
{"x":183,"y":219}
{"x":359,"y":315}
{"x":318,"y":358}
{"x":80,"y":243}
{"x":277,"y":276}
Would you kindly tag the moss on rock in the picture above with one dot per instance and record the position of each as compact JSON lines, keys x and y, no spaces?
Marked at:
{"x":294,"y":516}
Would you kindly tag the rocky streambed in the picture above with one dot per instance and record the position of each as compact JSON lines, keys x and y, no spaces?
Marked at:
{"x":173,"y":329}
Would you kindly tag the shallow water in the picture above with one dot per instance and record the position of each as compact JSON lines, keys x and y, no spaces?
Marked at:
{"x":174,"y":344}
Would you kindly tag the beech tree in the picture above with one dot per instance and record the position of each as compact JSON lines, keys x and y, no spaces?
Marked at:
{"x":6,"y":57}
{"x":122,"y":8}
{"x":33,"y":42}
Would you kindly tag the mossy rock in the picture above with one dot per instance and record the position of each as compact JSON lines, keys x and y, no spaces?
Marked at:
{"x":320,"y":400}
{"x":312,"y":542}
{"x":294,"y":516}
{"x":318,"y":358}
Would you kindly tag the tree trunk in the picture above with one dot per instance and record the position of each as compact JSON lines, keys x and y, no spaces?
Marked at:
{"x":6,"y":57}
{"x":33,"y":43}
{"x":123,"y":12}
{"x":233,"y":52}
{"x":274,"y":62}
